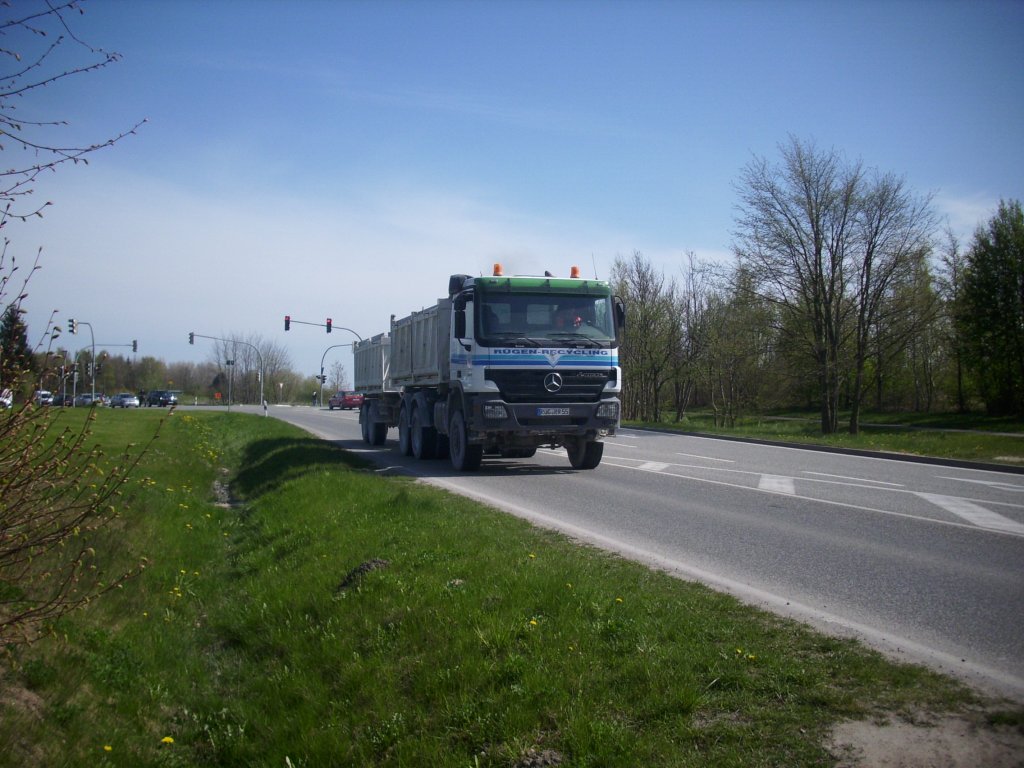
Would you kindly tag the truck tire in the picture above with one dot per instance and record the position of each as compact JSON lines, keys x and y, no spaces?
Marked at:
{"x":584,"y":454}
{"x":375,"y":432}
{"x":424,"y":438}
{"x":465,"y":457}
{"x":378,"y":433}
{"x":404,"y":432}
{"x":364,"y":423}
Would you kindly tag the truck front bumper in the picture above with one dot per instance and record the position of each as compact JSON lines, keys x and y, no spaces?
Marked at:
{"x":493,"y":415}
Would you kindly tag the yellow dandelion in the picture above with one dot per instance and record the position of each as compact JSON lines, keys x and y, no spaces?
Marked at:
{"x":107,"y":748}
{"x":618,"y":599}
{"x":533,"y":622}
{"x":166,"y":740}
{"x":533,"y":556}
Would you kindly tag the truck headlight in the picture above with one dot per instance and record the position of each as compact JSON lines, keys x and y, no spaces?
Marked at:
{"x":495,"y":411}
{"x":608,"y":411}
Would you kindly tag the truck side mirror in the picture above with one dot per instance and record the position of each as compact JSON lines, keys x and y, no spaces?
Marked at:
{"x":620,"y":313}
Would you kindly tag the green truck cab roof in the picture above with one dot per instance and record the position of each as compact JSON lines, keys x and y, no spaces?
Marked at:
{"x":543,"y":285}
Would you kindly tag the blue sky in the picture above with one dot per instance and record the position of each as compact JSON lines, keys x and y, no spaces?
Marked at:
{"x":341,"y":159}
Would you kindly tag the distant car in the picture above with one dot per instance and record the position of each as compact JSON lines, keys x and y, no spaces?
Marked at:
{"x":124,"y":400}
{"x":63,"y":400}
{"x":6,"y":398}
{"x":161,"y":397}
{"x":345,"y":400}
{"x":42,"y":397}
{"x":85,"y":400}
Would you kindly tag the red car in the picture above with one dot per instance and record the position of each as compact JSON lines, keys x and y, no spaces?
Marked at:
{"x":345,"y":400}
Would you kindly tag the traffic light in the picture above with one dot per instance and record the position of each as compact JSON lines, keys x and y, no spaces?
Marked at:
{"x":328,"y":325}
{"x":287,"y":322}
{"x":191,"y":337}
{"x":135,"y":345}
{"x":72,"y":325}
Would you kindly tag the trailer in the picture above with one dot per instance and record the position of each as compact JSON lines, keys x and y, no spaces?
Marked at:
{"x":501,"y":366}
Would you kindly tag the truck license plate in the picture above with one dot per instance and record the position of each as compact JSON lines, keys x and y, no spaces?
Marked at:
{"x":552,"y":411}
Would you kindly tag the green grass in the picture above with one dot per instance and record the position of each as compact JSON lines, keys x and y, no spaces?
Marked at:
{"x":335,"y":617}
{"x":967,"y":437}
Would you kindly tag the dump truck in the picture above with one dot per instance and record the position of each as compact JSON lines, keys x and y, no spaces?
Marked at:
{"x":501,"y":366}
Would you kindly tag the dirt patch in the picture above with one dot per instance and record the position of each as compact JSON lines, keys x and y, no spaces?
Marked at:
{"x":949,"y":741}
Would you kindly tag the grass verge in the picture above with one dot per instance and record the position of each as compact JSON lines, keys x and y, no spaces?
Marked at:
{"x":327,"y":616}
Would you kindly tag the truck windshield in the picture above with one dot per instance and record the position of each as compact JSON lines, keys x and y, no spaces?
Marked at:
{"x":534,"y":319}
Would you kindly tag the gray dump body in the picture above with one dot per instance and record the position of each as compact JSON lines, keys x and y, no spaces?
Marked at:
{"x":373,"y":365}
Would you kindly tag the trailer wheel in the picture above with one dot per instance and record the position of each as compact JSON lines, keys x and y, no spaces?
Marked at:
{"x":378,"y":433}
{"x":404,"y":432}
{"x":375,"y":432}
{"x":424,"y":438}
{"x":364,"y":423}
{"x":584,"y":454}
{"x":465,"y":457}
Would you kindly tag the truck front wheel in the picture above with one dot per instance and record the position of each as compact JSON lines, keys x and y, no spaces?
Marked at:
{"x":584,"y":454}
{"x":465,"y":457}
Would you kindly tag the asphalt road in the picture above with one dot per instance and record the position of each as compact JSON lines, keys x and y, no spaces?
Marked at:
{"x":925,"y":562}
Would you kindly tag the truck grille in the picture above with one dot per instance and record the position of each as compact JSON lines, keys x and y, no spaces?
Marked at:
{"x":528,"y":386}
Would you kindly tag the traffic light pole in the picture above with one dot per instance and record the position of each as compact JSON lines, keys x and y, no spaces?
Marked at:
{"x":73,"y":327}
{"x":192,"y":336}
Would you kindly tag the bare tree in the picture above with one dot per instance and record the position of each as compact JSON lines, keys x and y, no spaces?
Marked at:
{"x":337,"y":376}
{"x":892,"y":233}
{"x":49,"y":520}
{"x":652,"y":335}
{"x":828,"y":244}
{"x":693,"y":313}
{"x":34,"y":40}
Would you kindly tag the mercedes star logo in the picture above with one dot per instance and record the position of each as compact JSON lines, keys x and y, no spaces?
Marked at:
{"x":553,"y":382}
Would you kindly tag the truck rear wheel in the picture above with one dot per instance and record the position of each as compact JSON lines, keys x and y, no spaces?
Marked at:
{"x":378,"y":433}
{"x":404,"y":432}
{"x":375,"y":432}
{"x":424,"y":438}
{"x":465,"y":457}
{"x":364,"y":423}
{"x":584,"y":454}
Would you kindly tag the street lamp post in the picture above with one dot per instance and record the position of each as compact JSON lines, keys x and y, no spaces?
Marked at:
{"x":324,"y":357}
{"x":231,"y":379}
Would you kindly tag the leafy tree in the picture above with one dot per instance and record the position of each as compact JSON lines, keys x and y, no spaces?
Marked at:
{"x":991,"y":310}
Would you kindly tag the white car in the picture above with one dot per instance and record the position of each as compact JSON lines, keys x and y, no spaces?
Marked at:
{"x":6,"y":398}
{"x":124,"y":400}
{"x":42,"y":397}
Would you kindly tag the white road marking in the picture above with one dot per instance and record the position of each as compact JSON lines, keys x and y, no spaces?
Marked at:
{"x":990,"y":483}
{"x":777,"y":484}
{"x":857,"y":479}
{"x":610,"y":462}
{"x":653,"y":466}
{"x":973,"y":513}
{"x":706,"y":458}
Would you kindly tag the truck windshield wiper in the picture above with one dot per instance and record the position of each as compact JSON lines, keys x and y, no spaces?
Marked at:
{"x":510,"y":337}
{"x":579,"y":338}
